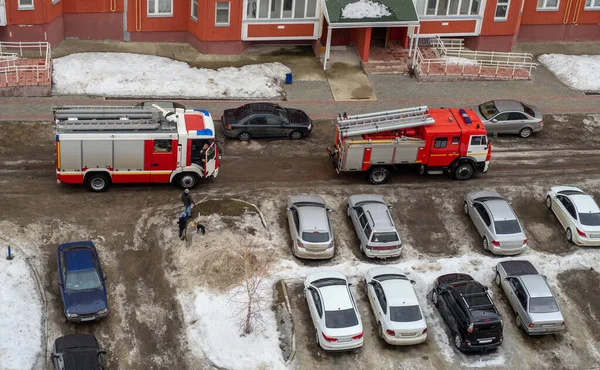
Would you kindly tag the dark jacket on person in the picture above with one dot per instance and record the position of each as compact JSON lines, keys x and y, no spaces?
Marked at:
{"x":187,"y":199}
{"x":182,"y":223}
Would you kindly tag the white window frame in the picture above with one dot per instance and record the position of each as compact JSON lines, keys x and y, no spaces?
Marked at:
{"x":293,"y":17}
{"x":460,"y":3}
{"x":502,"y":3}
{"x":592,"y":7}
{"x":546,"y":8}
{"x":157,"y":14}
{"x":194,"y":17}
{"x":217,"y":24}
{"x":26,"y":7}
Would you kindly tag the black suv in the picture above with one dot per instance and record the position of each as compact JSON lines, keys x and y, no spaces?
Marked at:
{"x":77,"y":352}
{"x":474,"y":321}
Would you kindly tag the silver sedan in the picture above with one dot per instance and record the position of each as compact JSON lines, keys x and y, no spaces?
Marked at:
{"x":496,"y":222}
{"x":510,"y":117}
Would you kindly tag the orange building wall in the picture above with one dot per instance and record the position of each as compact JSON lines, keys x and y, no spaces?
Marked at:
{"x":272,"y":30}
{"x":508,"y":27}
{"x":97,"y":6}
{"x":575,"y":15}
{"x":361,"y":37}
{"x":231,"y":32}
{"x":431,"y":27}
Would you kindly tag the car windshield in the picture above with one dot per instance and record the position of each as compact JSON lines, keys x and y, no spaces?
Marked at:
{"x":405,"y":313}
{"x":543,"y":305}
{"x":528,"y":110}
{"x":340,"y":319}
{"x":384,"y":237}
{"x":589,"y":219}
{"x":507,"y":227}
{"x":488,"y":110}
{"x":83,"y":280}
{"x":315,"y":237}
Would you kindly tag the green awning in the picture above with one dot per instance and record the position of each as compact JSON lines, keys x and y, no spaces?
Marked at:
{"x":403,"y":13}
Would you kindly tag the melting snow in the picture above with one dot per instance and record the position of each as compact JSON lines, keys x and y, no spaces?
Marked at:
{"x":579,"y":72}
{"x":365,"y":9}
{"x":460,"y":61}
{"x":136,"y":75}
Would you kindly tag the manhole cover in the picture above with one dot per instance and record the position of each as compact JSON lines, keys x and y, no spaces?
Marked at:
{"x":284,"y":166}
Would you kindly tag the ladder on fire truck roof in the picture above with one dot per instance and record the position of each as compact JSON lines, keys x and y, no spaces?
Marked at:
{"x":106,"y":118}
{"x":369,"y":123}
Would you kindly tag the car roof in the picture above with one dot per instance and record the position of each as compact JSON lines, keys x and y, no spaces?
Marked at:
{"x":335,"y":297}
{"x":79,"y":259}
{"x":518,"y":267}
{"x":584,"y":203}
{"x":313,"y":218}
{"x":75,"y":341}
{"x":536,"y":285}
{"x":508,"y":105}
{"x":306,"y":198}
{"x":379,"y":215}
{"x":262,"y":107}
{"x":500,"y":209}
{"x":399,"y":292}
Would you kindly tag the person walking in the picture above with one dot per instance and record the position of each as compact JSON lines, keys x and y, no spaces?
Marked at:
{"x":187,"y":200}
{"x":182,"y":222}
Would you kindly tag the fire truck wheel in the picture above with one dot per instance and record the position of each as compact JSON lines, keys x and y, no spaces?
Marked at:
{"x":187,"y":180}
{"x":244,"y":136}
{"x":379,"y":175}
{"x":464,"y":171}
{"x":295,"y":135}
{"x":525,"y":132}
{"x":97,"y":182}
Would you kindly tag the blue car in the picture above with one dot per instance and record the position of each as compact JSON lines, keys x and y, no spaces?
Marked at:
{"x":81,"y":282}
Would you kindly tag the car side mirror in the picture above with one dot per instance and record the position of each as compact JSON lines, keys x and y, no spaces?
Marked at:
{"x":371,"y":283}
{"x":544,"y":276}
{"x":101,"y":353}
{"x":54,"y":357}
{"x":494,"y":120}
{"x":390,"y":207}
{"x":351,"y":285}
{"x":412,"y":281}
{"x":289,"y":208}
{"x":105,"y":278}
{"x":329,"y":210}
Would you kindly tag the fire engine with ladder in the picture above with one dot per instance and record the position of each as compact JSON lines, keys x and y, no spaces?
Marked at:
{"x":435,"y":141}
{"x":103,"y":145}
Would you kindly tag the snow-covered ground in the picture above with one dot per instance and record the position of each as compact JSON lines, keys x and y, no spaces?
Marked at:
{"x":365,"y":9}
{"x":137,"y":75}
{"x":460,"y":61}
{"x":21,"y":313}
{"x":579,"y":72}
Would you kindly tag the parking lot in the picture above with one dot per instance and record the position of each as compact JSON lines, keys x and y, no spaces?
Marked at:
{"x":153,"y":276}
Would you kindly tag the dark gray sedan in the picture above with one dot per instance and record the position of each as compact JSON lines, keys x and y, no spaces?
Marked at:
{"x":265,"y":120}
{"x":510,"y":117}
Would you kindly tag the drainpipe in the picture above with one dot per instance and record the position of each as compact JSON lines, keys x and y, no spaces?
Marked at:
{"x":126,"y":36}
{"x":327,"y":47}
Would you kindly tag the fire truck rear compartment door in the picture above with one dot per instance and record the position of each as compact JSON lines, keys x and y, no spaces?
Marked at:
{"x":407,"y":152}
{"x":97,"y":153}
{"x":382,"y":154}
{"x":354,"y":158}
{"x":70,"y":155}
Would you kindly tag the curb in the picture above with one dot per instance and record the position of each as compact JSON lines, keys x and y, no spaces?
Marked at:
{"x":289,"y":309}
{"x":42,"y":294}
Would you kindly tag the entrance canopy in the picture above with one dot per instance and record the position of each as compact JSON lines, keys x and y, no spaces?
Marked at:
{"x":394,"y":13}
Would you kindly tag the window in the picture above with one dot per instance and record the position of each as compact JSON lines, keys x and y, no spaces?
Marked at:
{"x":273,"y":121}
{"x":440,"y":142}
{"x":341,"y":319}
{"x":543,"y":305}
{"x":447,"y":7}
{"x":195,"y":10}
{"x":317,"y":300}
{"x":507,"y":227}
{"x":25,"y":4}
{"x":592,"y":4}
{"x":548,"y":4}
{"x":222,"y":14}
{"x":160,"y":8}
{"x":455,"y":140}
{"x":405,"y":313}
{"x":279,"y":9}
{"x":501,"y":117}
{"x":258,"y":121}
{"x":516,"y":116}
{"x":476,"y":140}
{"x":380,"y":297}
{"x":589,"y":219}
{"x":368,"y":231}
{"x":501,"y":10}
{"x":163,"y":146}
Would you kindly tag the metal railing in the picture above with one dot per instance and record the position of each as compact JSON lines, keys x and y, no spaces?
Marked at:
{"x":14,"y":56}
{"x":476,"y":61}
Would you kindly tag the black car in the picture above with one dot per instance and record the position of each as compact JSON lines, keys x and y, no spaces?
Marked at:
{"x":265,"y":120}
{"x":77,"y":352}
{"x":474,"y":321}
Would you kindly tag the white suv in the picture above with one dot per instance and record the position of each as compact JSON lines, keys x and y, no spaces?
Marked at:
{"x":374,"y":226}
{"x":333,"y":311}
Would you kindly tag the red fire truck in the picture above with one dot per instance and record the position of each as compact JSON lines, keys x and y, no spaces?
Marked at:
{"x":100,"y":146}
{"x":435,"y":141}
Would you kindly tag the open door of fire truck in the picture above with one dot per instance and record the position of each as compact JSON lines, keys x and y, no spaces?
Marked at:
{"x":210,"y":160}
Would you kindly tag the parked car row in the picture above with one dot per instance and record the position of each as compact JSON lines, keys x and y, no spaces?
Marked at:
{"x":83,"y":292}
{"x":465,"y":304}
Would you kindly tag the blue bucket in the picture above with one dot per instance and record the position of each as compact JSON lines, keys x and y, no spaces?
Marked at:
{"x":288,"y":78}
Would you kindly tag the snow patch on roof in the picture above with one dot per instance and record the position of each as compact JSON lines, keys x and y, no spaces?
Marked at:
{"x":579,"y":72}
{"x":365,"y":9}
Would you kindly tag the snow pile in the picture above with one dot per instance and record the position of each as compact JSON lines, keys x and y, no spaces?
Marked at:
{"x":136,"y":75}
{"x":460,"y":61}
{"x":216,"y":332}
{"x":365,"y":9}
{"x":20,"y":322}
{"x":579,"y":72}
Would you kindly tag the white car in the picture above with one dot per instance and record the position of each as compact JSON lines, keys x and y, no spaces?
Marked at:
{"x":333,"y":311}
{"x":395,"y":305}
{"x":577,"y":212}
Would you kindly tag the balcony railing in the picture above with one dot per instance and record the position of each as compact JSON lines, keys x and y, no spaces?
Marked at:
{"x":20,"y":57}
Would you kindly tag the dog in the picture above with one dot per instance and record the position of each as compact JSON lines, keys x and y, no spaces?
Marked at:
{"x":200,"y":228}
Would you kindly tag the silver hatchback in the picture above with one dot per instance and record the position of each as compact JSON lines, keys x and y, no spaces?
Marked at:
{"x":374,"y":226}
{"x":496,"y":222}
{"x":310,"y":227}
